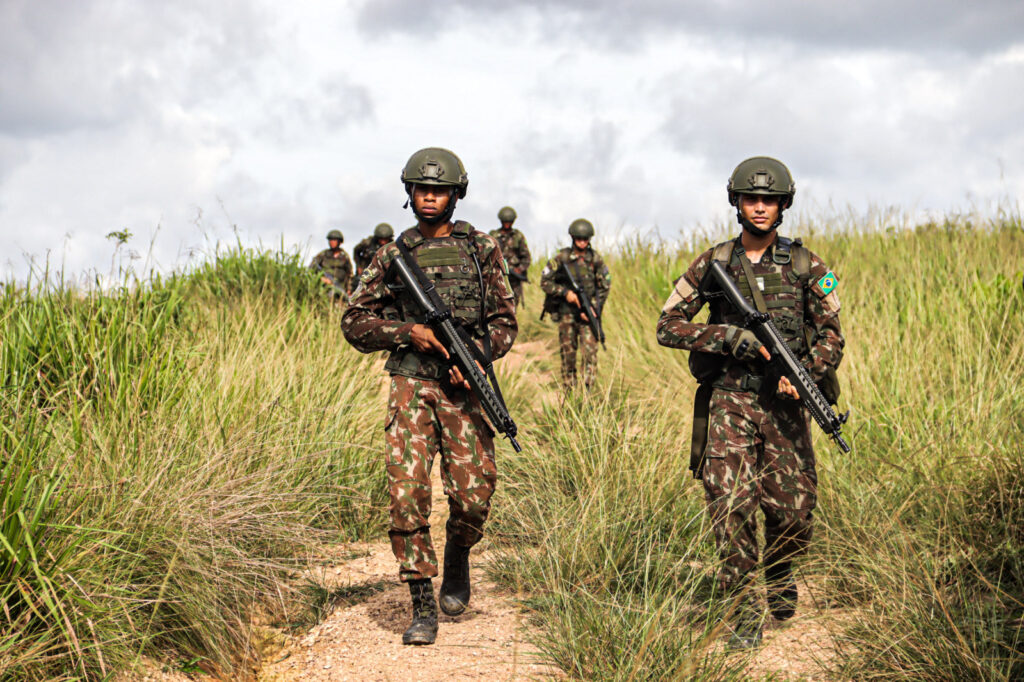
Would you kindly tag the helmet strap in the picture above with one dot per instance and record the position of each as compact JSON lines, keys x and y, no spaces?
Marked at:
{"x":754,"y":229}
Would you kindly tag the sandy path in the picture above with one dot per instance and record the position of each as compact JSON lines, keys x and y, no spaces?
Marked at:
{"x":362,"y":639}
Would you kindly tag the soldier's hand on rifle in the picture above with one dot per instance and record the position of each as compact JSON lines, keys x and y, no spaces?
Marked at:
{"x":572,"y":298}
{"x":326,"y":280}
{"x":425,"y":341}
{"x":787,"y":389}
{"x":744,"y":345}
{"x":584,"y":317}
{"x":456,"y":378}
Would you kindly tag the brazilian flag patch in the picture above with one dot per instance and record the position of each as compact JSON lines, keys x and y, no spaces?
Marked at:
{"x":828,"y":283}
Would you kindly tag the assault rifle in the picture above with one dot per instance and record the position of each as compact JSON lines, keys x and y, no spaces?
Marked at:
{"x":587,"y":306}
{"x":438,"y":315}
{"x":513,"y":275}
{"x":335,"y":287}
{"x":718,"y":284}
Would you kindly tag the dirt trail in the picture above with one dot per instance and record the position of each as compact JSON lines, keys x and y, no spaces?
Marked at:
{"x":362,"y":640}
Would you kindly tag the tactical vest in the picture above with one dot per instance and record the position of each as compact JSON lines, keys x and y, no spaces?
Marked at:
{"x":336,"y":267}
{"x":509,"y":245}
{"x":448,"y":261}
{"x":784,"y":290}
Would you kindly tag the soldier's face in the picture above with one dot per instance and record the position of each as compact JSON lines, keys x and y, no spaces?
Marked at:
{"x":506,"y":226}
{"x":334,"y":244}
{"x":759,"y":209}
{"x":382,"y":241}
{"x":581,"y":243}
{"x":431,"y":200}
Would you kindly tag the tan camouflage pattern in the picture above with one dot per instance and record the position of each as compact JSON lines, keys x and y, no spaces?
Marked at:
{"x":794,"y":304}
{"x":574,"y":334}
{"x":335,"y":263}
{"x":759,"y":455}
{"x":363,"y":253}
{"x":759,"y":452}
{"x":379,"y":319}
{"x":424,"y":418}
{"x":517,"y":256}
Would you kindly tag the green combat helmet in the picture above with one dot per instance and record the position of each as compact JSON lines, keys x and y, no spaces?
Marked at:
{"x":507,"y":215}
{"x":436,"y":166}
{"x":761,"y":175}
{"x":383,"y":231}
{"x":581,"y":228}
{"x":335,"y":234}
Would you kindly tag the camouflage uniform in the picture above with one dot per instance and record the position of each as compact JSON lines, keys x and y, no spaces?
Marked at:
{"x":363,"y":253}
{"x":592,"y":274}
{"x":759,"y":450}
{"x":517,"y":255}
{"x":426,"y":414}
{"x":336,"y":264}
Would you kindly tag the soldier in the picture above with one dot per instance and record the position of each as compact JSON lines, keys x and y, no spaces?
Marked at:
{"x":574,"y":330}
{"x":334,"y":266}
{"x":430,"y":408}
{"x":757,"y":446}
{"x":516,"y":252}
{"x":363,"y":253}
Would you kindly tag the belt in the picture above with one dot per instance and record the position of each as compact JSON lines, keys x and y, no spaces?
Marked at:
{"x":749,"y":382}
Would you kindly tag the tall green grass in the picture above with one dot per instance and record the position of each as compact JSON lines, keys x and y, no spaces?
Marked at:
{"x":918,"y":538}
{"x":172,"y":450}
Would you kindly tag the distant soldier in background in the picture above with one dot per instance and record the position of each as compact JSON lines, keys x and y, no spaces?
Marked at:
{"x":752,"y":438}
{"x":334,"y":266}
{"x":589,"y":271}
{"x":363,"y":253}
{"x":430,"y":408}
{"x":514,"y":248}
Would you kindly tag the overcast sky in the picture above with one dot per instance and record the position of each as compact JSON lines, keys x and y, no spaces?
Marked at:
{"x":179,"y":120}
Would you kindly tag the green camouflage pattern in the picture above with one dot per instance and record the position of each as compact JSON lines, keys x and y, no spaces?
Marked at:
{"x":378,"y":318}
{"x":363,"y":253}
{"x":334,"y":263}
{"x":426,"y":417}
{"x":593,"y":276}
{"x":797,"y":306}
{"x":759,"y":455}
{"x":573,"y":335}
{"x":517,"y":255}
{"x":759,"y":452}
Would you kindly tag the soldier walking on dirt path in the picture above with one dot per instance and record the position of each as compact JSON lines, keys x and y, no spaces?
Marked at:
{"x":514,"y":248}
{"x":334,"y":266}
{"x":589,"y":271}
{"x":430,"y":406}
{"x":751,"y":430}
{"x":363,"y":252}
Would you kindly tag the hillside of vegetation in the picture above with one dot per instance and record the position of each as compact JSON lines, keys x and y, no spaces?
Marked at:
{"x":175,"y":452}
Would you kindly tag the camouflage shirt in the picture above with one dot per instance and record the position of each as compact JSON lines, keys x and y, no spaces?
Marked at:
{"x":379,"y":317}
{"x":589,"y":271}
{"x":805,"y":310}
{"x":363,"y":253}
{"x":513,"y":247}
{"x":336,"y":265}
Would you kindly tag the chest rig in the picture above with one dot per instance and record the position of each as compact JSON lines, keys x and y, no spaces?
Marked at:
{"x":453,"y":263}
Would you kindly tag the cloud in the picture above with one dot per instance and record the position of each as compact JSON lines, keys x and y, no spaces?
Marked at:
{"x":934,"y":26}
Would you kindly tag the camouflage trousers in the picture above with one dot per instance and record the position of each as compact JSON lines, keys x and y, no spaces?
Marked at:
{"x":758,"y":455}
{"x":571,"y":335}
{"x":425,"y":418}
{"x":517,"y":291}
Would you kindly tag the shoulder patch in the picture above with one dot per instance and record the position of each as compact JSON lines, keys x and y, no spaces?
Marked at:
{"x":368,"y":274}
{"x":828,"y":283}
{"x":681,"y":293}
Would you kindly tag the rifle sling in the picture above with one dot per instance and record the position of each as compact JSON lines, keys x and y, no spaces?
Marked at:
{"x":483,"y":357}
{"x":748,"y":272}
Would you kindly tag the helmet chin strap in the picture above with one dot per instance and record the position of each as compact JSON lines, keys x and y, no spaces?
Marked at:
{"x":754,"y":229}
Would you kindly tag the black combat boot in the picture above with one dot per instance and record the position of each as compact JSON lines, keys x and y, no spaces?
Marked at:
{"x":781,"y":589}
{"x":455,"y":586}
{"x":423,"y":629}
